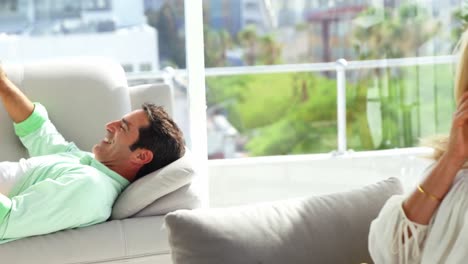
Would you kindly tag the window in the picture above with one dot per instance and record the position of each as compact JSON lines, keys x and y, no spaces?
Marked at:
{"x":274,"y":113}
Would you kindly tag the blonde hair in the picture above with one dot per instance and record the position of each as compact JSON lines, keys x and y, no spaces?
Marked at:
{"x":440,"y":142}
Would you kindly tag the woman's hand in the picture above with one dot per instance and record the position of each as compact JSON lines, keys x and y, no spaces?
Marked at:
{"x":457,"y":150}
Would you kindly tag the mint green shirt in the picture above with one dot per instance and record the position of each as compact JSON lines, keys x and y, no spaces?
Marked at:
{"x":62,"y":188}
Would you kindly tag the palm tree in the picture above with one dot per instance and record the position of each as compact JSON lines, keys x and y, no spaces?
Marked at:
{"x":368,"y":33}
{"x":248,"y":39}
{"x":393,"y":33}
{"x":461,"y":16}
{"x":413,"y":24}
{"x":270,"y":50}
{"x":216,"y":45}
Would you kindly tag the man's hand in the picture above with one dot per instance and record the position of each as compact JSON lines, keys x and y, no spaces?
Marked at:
{"x":3,"y":76}
{"x":18,"y":106}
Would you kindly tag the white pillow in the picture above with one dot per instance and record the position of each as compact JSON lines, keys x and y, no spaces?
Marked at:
{"x":186,"y":197}
{"x":149,"y":188}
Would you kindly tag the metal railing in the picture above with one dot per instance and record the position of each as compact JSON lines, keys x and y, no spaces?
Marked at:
{"x":341,"y":66}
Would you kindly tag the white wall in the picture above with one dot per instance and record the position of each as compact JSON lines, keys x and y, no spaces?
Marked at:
{"x":134,"y":46}
{"x":244,"y":181}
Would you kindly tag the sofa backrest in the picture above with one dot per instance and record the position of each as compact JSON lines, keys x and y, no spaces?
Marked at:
{"x":81,"y":96}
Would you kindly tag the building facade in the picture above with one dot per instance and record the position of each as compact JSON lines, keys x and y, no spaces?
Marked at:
{"x":42,"y":29}
{"x":234,"y":15}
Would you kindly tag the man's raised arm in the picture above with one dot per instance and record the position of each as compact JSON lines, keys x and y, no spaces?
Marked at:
{"x":18,"y":106}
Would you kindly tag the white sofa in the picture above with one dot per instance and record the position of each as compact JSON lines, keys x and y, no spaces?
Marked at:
{"x":82,"y":95}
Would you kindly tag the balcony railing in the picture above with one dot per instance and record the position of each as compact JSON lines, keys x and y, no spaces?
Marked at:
{"x":341,"y":67}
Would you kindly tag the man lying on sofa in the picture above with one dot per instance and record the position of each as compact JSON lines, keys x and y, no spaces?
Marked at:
{"x":62,"y":187}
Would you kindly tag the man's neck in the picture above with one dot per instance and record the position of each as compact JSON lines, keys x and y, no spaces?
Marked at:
{"x":127,"y":171}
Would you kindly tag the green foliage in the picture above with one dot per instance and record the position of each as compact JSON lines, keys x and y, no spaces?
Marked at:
{"x":248,"y":39}
{"x":216,"y":45}
{"x":257,"y":49}
{"x":270,"y":51}
{"x":308,"y":125}
{"x":421,"y":106}
{"x":263,"y":50}
{"x":281,"y":113}
{"x":393,"y":33}
{"x":296,"y":113}
{"x":380,"y":33}
{"x":256,"y":100}
{"x":461,"y":16}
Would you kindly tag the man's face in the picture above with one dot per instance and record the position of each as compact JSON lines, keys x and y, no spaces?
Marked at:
{"x":121,"y":134}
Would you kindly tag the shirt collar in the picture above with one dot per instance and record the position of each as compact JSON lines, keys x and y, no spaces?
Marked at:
{"x":91,"y":161}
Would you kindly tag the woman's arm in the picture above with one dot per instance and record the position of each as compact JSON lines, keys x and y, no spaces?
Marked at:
{"x":389,"y":236}
{"x":423,"y":202}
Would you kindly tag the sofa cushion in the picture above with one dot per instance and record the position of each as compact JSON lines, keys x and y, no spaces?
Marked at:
{"x":136,"y":240}
{"x":320,"y":229}
{"x":150,"y":188}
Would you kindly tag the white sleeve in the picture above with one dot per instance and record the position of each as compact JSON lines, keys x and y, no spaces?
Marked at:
{"x":389,"y":240}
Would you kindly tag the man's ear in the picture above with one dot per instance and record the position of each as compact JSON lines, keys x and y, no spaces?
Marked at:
{"x":143,"y":156}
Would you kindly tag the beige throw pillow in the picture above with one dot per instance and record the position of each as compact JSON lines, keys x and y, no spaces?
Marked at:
{"x":319,"y":229}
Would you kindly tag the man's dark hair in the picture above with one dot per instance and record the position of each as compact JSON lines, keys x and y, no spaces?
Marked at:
{"x":162,"y":137}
